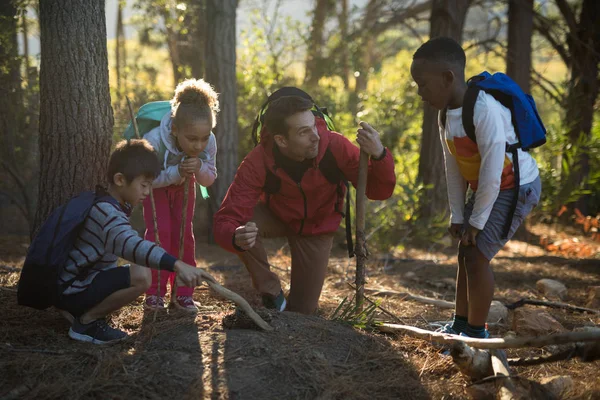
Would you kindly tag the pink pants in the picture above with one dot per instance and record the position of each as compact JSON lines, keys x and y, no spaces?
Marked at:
{"x":169,"y":210}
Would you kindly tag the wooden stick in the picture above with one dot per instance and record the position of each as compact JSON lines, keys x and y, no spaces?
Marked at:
{"x":240,"y":301}
{"x":361,"y":241}
{"x":413,"y":297}
{"x":551,"y":304}
{"x":495,"y":343}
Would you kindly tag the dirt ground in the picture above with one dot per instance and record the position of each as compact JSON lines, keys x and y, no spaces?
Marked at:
{"x":176,"y":355}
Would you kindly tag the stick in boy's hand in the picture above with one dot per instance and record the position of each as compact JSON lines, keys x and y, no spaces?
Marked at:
{"x":245,"y":235}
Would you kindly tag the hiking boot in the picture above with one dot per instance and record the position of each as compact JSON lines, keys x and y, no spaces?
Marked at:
{"x":185,"y":303}
{"x":96,"y":332}
{"x":447,"y":329}
{"x":154,"y":302}
{"x":274,"y":302}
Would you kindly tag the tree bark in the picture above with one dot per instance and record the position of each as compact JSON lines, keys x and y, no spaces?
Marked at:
{"x":343,"y":49}
{"x":10,"y":80}
{"x":520,"y":29}
{"x":120,"y":52}
{"x":447,"y":19}
{"x":316,"y":42}
{"x":584,"y":46}
{"x":76,"y":118}
{"x":221,"y":73}
{"x":193,"y":43}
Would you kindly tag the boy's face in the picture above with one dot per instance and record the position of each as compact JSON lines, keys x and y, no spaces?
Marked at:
{"x":133,"y":192}
{"x":434,"y":81}
{"x":193,"y":138}
{"x":302,"y":141}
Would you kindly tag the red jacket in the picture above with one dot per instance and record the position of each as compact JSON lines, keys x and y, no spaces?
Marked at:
{"x":308,"y":208}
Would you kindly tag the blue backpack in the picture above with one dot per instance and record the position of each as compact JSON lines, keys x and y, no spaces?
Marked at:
{"x":528,"y":125}
{"x":48,"y":253}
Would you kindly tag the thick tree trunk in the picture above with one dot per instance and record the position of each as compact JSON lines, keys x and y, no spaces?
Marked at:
{"x":584,"y":46}
{"x":120,"y":52}
{"x":364,"y":60}
{"x":76,"y":118}
{"x":316,"y":42}
{"x":520,"y":29}
{"x":10,"y":80}
{"x":221,"y":73}
{"x":447,"y":19}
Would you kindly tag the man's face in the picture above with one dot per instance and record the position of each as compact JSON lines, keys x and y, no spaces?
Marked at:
{"x":434,"y":82}
{"x":302,"y":141}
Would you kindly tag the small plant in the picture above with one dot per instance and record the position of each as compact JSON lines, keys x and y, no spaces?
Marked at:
{"x":356,"y":315}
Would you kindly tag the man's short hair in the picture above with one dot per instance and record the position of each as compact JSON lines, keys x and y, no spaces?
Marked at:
{"x":442,"y":50}
{"x":282,"y":108}
{"x":133,"y":158}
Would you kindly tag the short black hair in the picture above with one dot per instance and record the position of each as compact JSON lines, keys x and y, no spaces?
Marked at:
{"x":282,"y":108}
{"x":442,"y":50}
{"x":133,"y":158}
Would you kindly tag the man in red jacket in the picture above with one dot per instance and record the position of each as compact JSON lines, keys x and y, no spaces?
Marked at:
{"x":284,"y":187}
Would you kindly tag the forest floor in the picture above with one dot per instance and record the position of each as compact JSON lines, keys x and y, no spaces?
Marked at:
{"x":176,"y":355}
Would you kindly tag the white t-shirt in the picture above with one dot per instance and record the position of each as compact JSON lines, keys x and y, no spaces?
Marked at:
{"x":485,"y":164}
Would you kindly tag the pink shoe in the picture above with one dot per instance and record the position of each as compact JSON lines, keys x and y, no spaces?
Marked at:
{"x":185,"y":303}
{"x":154,"y":302}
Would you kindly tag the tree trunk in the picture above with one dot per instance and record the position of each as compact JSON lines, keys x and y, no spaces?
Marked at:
{"x":343,"y":49}
{"x":193,"y":43}
{"x":520,"y":29}
{"x":447,"y":19}
{"x":221,"y":73}
{"x":584,"y":45}
{"x":76,"y":118}
{"x":10,"y":81}
{"x":119,"y":52}
{"x":316,"y":42}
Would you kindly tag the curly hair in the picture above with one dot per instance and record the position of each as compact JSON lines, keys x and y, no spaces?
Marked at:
{"x":195,"y":99}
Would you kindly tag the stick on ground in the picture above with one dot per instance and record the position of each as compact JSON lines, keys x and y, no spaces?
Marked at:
{"x":410,"y":296}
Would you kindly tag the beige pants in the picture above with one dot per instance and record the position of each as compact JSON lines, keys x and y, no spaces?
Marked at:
{"x":310,"y":256}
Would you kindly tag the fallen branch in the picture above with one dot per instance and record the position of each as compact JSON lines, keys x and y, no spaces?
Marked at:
{"x":587,"y":352}
{"x":410,"y":296}
{"x":551,"y":304}
{"x":240,"y":301}
{"x":495,"y":343}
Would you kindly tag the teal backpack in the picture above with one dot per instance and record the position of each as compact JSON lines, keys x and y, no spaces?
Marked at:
{"x":148,"y":117}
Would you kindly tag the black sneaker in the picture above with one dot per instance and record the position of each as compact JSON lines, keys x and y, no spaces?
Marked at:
{"x":97,"y":332}
{"x":274,"y":302}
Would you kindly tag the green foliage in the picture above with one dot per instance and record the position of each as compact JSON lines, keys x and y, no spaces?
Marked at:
{"x":356,"y":315}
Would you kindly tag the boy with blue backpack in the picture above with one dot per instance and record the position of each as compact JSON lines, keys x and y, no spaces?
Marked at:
{"x":72,"y":262}
{"x":486,"y":125}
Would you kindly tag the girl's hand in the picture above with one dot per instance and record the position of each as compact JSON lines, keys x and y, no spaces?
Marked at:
{"x":188,"y":166}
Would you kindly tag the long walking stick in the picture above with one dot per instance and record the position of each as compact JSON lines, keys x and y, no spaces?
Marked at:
{"x":361,"y":240}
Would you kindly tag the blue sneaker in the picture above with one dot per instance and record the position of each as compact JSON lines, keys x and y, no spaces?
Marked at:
{"x":486,"y":333}
{"x":274,"y":302}
{"x":447,"y":329}
{"x":96,"y":332}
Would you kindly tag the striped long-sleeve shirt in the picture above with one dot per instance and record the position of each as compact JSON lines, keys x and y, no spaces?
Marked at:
{"x":107,"y":235}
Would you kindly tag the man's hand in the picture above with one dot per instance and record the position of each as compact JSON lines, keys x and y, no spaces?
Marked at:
{"x":456,"y":230}
{"x":469,"y":237}
{"x":188,"y":275}
{"x":188,"y":166}
{"x":369,"y":141}
{"x":245,"y":236}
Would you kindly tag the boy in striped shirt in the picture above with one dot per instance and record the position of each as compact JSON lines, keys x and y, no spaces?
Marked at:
{"x":95,"y":285}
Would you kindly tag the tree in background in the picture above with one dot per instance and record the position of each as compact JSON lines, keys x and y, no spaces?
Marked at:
{"x":520,"y":30}
{"x":447,"y":19}
{"x":221,"y":73}
{"x":316,"y":43}
{"x":75,"y":114}
{"x":576,"y":38}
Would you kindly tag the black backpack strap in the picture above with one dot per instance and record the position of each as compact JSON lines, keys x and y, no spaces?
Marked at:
{"x":468,"y":111}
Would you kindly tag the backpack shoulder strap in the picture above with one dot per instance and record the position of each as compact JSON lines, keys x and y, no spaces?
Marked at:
{"x":468,"y":111}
